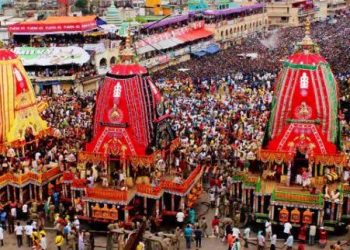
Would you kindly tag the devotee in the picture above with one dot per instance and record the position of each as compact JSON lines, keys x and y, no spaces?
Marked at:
{"x":188,"y":236}
{"x":198,"y":234}
{"x":1,"y":236}
{"x":289,"y":242}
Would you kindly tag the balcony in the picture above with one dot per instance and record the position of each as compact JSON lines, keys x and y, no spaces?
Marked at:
{"x":302,"y":12}
{"x":52,"y":78}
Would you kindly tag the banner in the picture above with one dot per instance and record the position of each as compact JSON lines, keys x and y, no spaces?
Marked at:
{"x":52,"y":56}
{"x":54,"y":25}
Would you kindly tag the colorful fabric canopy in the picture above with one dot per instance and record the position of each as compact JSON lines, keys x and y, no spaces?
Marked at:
{"x":18,"y":105}
{"x":195,"y":35}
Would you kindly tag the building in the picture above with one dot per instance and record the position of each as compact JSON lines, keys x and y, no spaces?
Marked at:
{"x":230,"y":25}
{"x":290,"y":12}
{"x":96,"y":53}
{"x":336,"y":6}
{"x":29,"y":8}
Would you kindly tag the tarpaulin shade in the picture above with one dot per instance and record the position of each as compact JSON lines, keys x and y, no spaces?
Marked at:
{"x":145,"y":49}
{"x":54,"y":25}
{"x":200,"y":53}
{"x":195,"y":35}
{"x":238,"y":10}
{"x":169,"y":43}
{"x":213,"y":48}
{"x":166,"y":21}
{"x":164,"y":44}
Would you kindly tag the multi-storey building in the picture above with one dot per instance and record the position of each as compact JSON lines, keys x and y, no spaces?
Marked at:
{"x":292,"y":12}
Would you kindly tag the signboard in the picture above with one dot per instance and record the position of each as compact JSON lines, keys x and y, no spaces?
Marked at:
{"x":52,"y":56}
{"x":49,"y":28}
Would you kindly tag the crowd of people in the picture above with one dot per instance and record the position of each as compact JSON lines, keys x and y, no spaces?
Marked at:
{"x":59,"y":40}
{"x":84,"y":71}
{"x":271,"y":48}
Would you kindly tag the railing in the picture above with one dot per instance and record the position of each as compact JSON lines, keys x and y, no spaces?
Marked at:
{"x":297,"y":197}
{"x":183,"y":187}
{"x":141,"y":189}
{"x":15,"y":179}
{"x":68,"y":176}
{"x":107,"y":194}
{"x":79,"y":183}
{"x":148,"y":189}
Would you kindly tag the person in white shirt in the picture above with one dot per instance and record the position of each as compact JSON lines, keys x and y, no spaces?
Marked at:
{"x":287,"y":228}
{"x":43,"y":243}
{"x":25,"y":211}
{"x":29,"y":231}
{"x":90,"y":181}
{"x":180,"y":217}
{"x":235,"y":232}
{"x":261,"y":241}
{"x":246,"y":235}
{"x":1,"y":236}
{"x":312,"y":234}
{"x":14,"y":212}
{"x":19,"y":233}
{"x":273,"y":240}
{"x":76,"y":223}
{"x":34,"y":224}
{"x":268,"y":229}
{"x":289,"y":243}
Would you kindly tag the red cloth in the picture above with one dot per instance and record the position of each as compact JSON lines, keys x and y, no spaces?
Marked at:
{"x":301,"y":247}
{"x":323,"y":236}
{"x":302,"y":233}
{"x":215,"y":222}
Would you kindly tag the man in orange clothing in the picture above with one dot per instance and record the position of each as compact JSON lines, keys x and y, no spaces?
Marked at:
{"x":230,"y":241}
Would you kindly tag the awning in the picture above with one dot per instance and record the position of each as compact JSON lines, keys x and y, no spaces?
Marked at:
{"x":47,"y":56}
{"x":144,"y":50}
{"x":199,"y":54}
{"x":212,"y":49}
{"x":163,"y":44}
{"x":54,"y":25}
{"x":169,"y":43}
{"x":195,"y":35}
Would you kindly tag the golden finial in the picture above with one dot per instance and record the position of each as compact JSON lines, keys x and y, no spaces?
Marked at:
{"x":307,"y":45}
{"x":307,"y":26}
{"x":2,"y":45}
{"x":127,"y":55}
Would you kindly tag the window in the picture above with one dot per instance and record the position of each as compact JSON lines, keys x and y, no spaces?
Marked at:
{"x":103,"y":63}
{"x":113,"y":60}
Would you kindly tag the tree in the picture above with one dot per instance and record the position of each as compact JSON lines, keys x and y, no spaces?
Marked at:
{"x":81,"y":4}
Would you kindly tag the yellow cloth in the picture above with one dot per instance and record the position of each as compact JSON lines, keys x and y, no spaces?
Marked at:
{"x":140,"y":246}
{"x":18,"y":111}
{"x":59,"y":240}
{"x":35,"y":234}
{"x":42,"y":232}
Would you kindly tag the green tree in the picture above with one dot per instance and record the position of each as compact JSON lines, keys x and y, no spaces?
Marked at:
{"x":81,"y":4}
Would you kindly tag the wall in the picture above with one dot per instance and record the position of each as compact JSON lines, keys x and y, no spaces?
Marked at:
{"x":240,"y":27}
